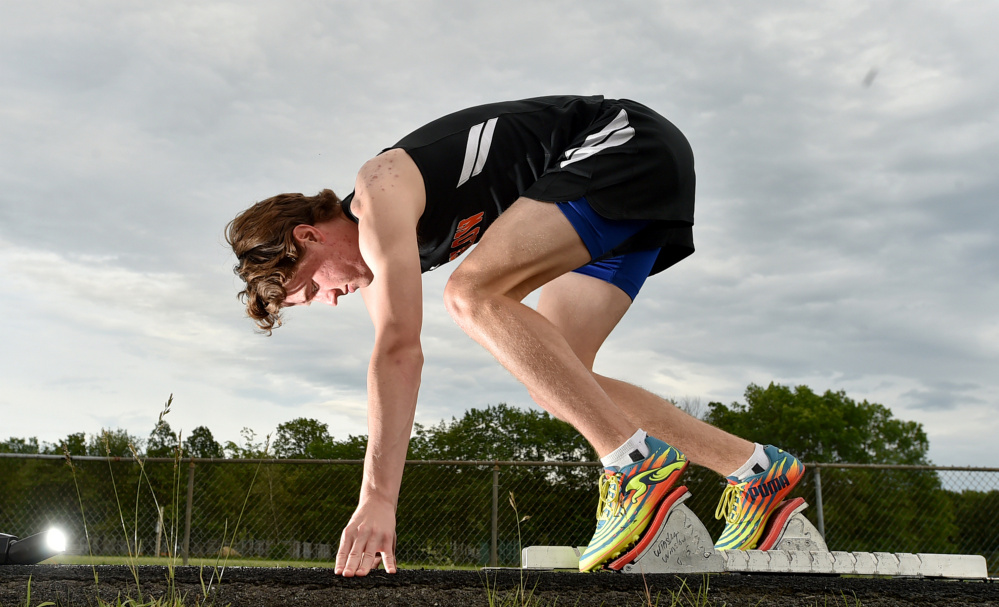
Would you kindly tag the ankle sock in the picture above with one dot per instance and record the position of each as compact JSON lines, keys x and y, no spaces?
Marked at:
{"x":633,"y":450}
{"x":757,"y":463}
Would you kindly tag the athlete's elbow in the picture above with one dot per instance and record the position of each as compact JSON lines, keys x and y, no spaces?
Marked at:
{"x":407,"y":354}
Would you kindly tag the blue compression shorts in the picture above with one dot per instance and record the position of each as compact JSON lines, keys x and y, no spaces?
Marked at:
{"x":627,"y":272}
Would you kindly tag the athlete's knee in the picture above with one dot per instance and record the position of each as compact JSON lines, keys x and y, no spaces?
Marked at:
{"x":463,"y":297}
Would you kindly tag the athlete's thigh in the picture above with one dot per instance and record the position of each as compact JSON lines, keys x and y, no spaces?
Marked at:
{"x":530,"y":244}
{"x":585,"y":310}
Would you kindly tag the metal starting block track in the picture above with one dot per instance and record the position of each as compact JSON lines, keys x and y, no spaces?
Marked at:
{"x":677,"y":542}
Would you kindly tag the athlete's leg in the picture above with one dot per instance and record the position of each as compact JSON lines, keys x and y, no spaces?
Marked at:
{"x":529,"y":245}
{"x":585,"y":310}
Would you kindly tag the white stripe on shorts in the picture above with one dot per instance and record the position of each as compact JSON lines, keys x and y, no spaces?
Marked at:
{"x":617,"y":132}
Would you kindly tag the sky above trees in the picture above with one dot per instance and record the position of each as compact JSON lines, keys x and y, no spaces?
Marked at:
{"x":845,"y":215}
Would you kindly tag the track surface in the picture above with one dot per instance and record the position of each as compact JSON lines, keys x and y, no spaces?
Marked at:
{"x":72,"y":585}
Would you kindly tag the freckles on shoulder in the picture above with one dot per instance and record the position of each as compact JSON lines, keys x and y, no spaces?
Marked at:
{"x":392,"y":175}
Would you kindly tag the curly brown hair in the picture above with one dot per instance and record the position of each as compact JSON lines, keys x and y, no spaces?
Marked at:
{"x":262,"y":239}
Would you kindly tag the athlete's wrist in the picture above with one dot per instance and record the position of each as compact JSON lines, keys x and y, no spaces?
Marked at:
{"x":379,"y":497}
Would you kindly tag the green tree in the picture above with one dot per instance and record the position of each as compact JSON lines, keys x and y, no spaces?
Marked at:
{"x":20,"y":445}
{"x":822,"y":428}
{"x":74,"y":444}
{"x":162,"y":442}
{"x":114,"y":443}
{"x":501,"y":432}
{"x":976,"y":533}
{"x":251,"y":447}
{"x":352,"y":447}
{"x":302,"y":438}
{"x":201,"y":443}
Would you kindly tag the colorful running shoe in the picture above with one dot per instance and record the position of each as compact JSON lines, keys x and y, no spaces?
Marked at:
{"x":628,"y":500}
{"x":746,"y":505}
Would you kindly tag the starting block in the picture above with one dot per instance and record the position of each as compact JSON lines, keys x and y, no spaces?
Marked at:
{"x":677,"y":542}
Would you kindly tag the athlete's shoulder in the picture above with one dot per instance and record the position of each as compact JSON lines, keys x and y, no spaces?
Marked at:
{"x":393,"y":176}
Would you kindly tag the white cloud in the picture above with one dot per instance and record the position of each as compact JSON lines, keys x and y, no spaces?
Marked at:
{"x":845,"y":232}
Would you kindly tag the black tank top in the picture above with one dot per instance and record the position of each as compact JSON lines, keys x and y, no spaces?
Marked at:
{"x":476,"y":162}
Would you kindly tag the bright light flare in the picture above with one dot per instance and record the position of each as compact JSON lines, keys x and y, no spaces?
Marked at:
{"x":55,"y":539}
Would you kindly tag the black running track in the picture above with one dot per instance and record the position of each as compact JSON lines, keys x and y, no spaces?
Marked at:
{"x":72,"y":585}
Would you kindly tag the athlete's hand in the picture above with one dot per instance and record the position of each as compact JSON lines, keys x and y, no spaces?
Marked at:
{"x":368,"y":537}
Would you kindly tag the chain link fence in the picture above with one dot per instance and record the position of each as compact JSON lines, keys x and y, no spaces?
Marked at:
{"x":451,"y":513}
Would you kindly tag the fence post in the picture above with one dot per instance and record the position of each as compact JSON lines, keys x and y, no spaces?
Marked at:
{"x":818,"y":502}
{"x":187,"y":515}
{"x":493,"y":552}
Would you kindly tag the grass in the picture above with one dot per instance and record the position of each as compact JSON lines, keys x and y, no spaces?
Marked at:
{"x":173,"y":598}
{"x":685,"y":596}
{"x":27,"y":600}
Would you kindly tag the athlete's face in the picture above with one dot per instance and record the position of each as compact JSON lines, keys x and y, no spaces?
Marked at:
{"x":332,"y":265}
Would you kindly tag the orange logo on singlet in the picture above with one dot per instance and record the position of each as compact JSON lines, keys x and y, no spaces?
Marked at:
{"x":465,"y":236}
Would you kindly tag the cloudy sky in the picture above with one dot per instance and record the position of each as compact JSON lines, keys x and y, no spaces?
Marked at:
{"x":846,"y":222}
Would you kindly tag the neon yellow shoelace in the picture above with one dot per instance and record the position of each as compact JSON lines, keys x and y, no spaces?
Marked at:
{"x":609,"y":502}
{"x":728,"y":507}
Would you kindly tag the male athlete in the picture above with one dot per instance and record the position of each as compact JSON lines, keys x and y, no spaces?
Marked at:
{"x":583,"y":197}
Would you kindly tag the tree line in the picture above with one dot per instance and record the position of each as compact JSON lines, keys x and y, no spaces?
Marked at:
{"x":827,"y":428}
{"x":495,"y":432}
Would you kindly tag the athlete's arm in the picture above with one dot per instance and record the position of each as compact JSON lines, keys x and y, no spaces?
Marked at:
{"x":388,"y":201}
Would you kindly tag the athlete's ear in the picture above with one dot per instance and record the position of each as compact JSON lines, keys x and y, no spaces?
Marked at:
{"x":304,"y":233}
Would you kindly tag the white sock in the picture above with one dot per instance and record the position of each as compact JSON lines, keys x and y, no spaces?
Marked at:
{"x":757,"y":463}
{"x":633,"y":450}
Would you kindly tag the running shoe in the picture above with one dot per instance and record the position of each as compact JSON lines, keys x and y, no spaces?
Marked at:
{"x":746,"y":505}
{"x":628,"y":500}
